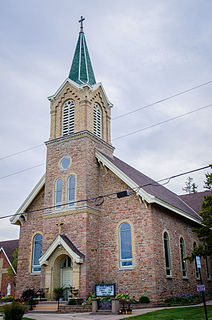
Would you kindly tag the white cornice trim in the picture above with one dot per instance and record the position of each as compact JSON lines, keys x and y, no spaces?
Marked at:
{"x":142,"y":193}
{"x":80,"y":86}
{"x":100,"y":85}
{"x":2,"y":249}
{"x":60,"y":89}
{"x":28,"y":200}
{"x":59,"y":241}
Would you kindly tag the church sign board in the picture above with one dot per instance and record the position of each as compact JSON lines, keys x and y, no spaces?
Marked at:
{"x":105,"y":290}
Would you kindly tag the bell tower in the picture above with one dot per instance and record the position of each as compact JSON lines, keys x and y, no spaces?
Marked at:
{"x":80,"y":103}
{"x":80,"y":124}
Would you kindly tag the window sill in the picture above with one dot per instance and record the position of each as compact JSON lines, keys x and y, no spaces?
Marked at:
{"x":37,"y":273}
{"x":185,"y":278}
{"x":126,"y":268}
{"x":169,"y":277}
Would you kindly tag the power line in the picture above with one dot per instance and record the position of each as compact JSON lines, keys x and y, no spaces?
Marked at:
{"x":101,"y":197}
{"x":25,"y":150}
{"x":123,"y":136}
{"x":162,"y":122}
{"x":17,"y":172}
{"x":162,"y":100}
{"x":123,"y":115}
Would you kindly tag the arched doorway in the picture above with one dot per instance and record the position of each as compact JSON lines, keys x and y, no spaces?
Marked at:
{"x":66,"y":270}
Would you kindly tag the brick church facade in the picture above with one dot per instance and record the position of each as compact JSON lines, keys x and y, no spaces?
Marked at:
{"x":70,"y":235}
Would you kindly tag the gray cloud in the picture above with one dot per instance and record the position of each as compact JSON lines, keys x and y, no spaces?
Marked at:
{"x":141,"y":51}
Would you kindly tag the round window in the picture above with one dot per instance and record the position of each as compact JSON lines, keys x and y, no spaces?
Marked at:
{"x":65,"y":162}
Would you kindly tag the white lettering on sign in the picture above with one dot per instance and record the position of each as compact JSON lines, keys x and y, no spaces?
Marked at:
{"x":105,"y":290}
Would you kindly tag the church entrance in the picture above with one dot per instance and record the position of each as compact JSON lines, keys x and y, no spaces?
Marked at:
{"x":66,"y":276}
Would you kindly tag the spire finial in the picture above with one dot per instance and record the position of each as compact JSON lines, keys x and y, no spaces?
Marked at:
{"x":81,"y":24}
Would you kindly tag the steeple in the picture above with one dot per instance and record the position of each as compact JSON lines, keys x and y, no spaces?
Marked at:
{"x":81,"y":69}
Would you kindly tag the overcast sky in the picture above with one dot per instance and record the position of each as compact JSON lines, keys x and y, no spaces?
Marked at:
{"x":141,"y":51}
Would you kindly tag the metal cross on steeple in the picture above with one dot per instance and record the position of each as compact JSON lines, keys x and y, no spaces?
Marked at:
{"x":81,"y":23}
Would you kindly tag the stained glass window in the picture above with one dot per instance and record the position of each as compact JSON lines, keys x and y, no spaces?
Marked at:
{"x":183,"y":261}
{"x":71,"y":190}
{"x":167,"y":253}
{"x":125,"y":240}
{"x":58,"y":193}
{"x":37,"y":252}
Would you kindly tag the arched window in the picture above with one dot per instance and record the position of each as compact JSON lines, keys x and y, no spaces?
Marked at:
{"x":196,"y":269}
{"x":97,"y":120}
{"x":66,"y":263}
{"x":71,"y":190}
{"x":182,"y":253}
{"x":167,"y":253}
{"x":58,"y":193}
{"x":125,"y":242}
{"x":37,"y":252}
{"x":68,"y":117}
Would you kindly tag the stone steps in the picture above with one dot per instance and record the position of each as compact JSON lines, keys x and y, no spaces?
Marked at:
{"x":45,"y":307}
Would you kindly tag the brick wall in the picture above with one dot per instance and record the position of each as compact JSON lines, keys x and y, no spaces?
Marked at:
{"x":25,"y":278}
{"x":5,"y":278}
{"x":176,"y":227}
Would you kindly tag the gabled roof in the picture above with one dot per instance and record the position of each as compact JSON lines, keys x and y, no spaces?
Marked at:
{"x":8,"y":247}
{"x":15,"y":218}
{"x":80,"y":86}
{"x":194,"y":200}
{"x":65,"y":242}
{"x":148,"y":189}
{"x":81,"y":69}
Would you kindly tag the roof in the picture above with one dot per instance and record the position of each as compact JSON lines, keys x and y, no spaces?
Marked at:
{"x":67,"y":244}
{"x":149,"y":190}
{"x":71,"y":245}
{"x":81,"y":69}
{"x":194,"y":200}
{"x":9,"y":247}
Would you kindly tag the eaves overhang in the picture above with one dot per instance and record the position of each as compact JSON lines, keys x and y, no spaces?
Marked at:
{"x":145,"y":196}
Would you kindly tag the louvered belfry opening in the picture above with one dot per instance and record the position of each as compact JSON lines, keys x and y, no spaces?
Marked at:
{"x":68,"y":117}
{"x":97,"y":120}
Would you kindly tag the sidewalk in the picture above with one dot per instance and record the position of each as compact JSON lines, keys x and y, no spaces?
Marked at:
{"x":89,"y":316}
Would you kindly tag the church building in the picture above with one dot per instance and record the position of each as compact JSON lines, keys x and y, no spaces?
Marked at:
{"x":92,"y":218}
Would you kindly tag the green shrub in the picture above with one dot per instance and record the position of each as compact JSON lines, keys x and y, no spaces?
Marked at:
{"x":72,"y":301}
{"x":144,"y":299}
{"x":59,"y":292}
{"x":14,"y":311}
{"x":122,"y":296}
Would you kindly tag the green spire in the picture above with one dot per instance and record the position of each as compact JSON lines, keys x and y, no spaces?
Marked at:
{"x":81,"y":69}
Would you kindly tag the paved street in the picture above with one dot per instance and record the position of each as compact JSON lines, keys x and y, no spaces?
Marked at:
{"x":89,"y":316}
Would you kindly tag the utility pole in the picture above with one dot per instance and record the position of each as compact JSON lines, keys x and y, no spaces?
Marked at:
{"x":201,"y":288}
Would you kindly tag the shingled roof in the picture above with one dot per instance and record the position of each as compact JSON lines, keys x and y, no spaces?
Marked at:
{"x":9,"y":247}
{"x":71,"y":245}
{"x":152,"y":187}
{"x":194,"y":200}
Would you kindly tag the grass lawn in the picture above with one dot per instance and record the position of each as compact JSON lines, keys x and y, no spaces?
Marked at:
{"x":188,"y":313}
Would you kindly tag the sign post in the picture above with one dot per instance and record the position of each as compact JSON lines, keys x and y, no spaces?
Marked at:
{"x":201,"y":288}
